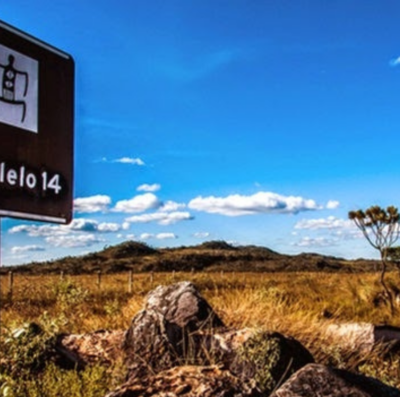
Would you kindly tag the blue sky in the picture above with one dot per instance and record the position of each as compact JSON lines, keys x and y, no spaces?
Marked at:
{"x":255,"y":122}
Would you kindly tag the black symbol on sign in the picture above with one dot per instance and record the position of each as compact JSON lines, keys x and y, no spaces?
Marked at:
{"x":9,"y":80}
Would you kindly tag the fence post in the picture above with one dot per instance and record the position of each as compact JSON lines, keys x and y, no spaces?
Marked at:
{"x":151,"y":279}
{"x":62,"y":275}
{"x":98,"y":278}
{"x":130,"y":282}
{"x":10,"y":284}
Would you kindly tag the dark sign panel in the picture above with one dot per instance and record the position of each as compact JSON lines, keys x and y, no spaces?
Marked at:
{"x":36,"y":128}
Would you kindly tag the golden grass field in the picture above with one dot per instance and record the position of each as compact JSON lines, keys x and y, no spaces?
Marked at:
{"x":296,"y":304}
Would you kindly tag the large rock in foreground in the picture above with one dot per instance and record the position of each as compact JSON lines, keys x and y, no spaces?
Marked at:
{"x":178,"y":327}
{"x":165,"y":332}
{"x":316,"y":380}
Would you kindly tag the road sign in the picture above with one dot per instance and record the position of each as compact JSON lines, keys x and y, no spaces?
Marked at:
{"x":36,"y":128}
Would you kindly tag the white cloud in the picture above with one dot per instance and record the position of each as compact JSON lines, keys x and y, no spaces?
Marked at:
{"x":259,"y":203}
{"x":159,"y":236}
{"x":146,"y":236}
{"x":108,"y":227}
{"x":73,"y":241}
{"x":201,"y":234}
{"x":166,"y":236}
{"x":149,"y":188}
{"x":338,"y":229}
{"x":395,"y":62}
{"x":162,"y":218}
{"x":315,"y":242}
{"x":129,"y":160}
{"x":77,"y":225}
{"x":26,"y":248}
{"x":98,"y":203}
{"x":332,"y":204}
{"x":330,"y":222}
{"x":80,"y":224}
{"x":138,"y":203}
{"x":169,"y":206}
{"x":36,"y":231}
{"x":126,"y":225}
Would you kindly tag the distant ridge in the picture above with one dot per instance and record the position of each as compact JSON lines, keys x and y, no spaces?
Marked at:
{"x":210,"y":256}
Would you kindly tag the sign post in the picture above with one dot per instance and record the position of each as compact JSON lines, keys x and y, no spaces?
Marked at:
{"x":36,"y":128}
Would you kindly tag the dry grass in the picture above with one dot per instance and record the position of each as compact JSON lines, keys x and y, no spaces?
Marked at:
{"x":296,"y":304}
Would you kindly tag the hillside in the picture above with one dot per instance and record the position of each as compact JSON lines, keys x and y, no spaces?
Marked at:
{"x":210,"y":256}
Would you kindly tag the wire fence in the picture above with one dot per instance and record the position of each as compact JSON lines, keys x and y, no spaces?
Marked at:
{"x":14,"y":285}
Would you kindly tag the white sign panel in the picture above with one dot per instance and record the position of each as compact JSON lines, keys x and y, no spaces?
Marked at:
{"x":19,"y":76}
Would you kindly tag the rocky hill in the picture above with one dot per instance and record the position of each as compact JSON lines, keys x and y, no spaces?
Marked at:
{"x":210,"y":256}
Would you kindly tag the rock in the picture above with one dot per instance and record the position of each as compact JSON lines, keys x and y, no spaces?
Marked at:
{"x":318,"y":380}
{"x":182,"y":304}
{"x":266,"y":357}
{"x":76,"y":351}
{"x":364,"y":337}
{"x":178,"y":327}
{"x":189,"y":381}
{"x":164,"y":333}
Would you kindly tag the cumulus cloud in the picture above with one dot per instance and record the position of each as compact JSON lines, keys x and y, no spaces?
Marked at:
{"x":330,"y":222}
{"x":171,"y":206}
{"x":149,"y":188}
{"x":159,"y":236}
{"x":139,"y":203}
{"x":335,"y":228}
{"x":332,"y":204}
{"x":81,"y":224}
{"x":73,"y":241}
{"x":77,"y":225}
{"x":79,"y":233}
{"x":146,"y":236}
{"x":108,"y":227}
{"x":166,"y":236}
{"x":259,"y":203}
{"x":395,"y":62}
{"x":98,"y":203}
{"x":162,"y":218}
{"x":125,"y":225}
{"x":27,"y":248}
{"x":315,"y":242}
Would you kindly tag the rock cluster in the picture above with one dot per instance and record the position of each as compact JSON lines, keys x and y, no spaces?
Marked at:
{"x":178,"y":346}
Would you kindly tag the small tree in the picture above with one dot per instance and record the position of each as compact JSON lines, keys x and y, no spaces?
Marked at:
{"x":381,"y":229}
{"x":393,"y":254}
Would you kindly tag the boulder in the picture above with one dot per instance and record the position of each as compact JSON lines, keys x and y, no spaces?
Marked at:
{"x":364,"y":337}
{"x":76,"y":351}
{"x":164,"y":333}
{"x":319,"y":380}
{"x":189,"y":381}
{"x":266,"y":357}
